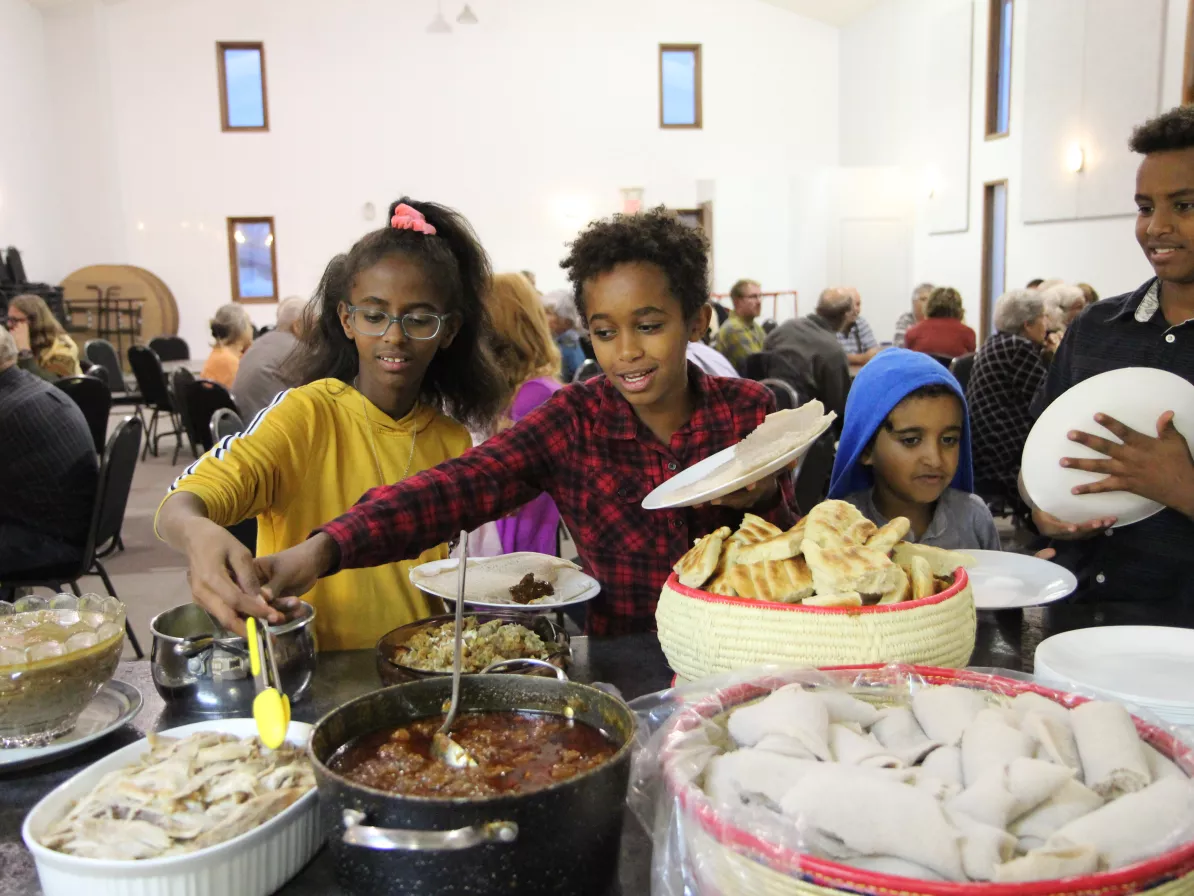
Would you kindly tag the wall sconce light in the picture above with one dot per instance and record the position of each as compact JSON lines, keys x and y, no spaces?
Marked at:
{"x":1075,"y":158}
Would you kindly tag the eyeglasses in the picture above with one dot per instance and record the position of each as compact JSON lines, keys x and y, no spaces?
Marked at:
{"x":12,"y":322}
{"x":414,"y":324}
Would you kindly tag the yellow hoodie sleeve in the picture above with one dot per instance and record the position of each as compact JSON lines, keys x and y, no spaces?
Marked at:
{"x":244,"y":475}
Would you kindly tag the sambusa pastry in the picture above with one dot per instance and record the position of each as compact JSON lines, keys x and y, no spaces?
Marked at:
{"x":698,"y":565}
{"x":850,"y":569}
{"x":785,"y":581}
{"x":941,"y":562}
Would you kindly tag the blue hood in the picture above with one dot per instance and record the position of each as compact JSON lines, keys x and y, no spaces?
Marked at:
{"x":882,"y":384}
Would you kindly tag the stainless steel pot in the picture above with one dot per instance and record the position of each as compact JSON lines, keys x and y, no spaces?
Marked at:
{"x":199,"y":667}
{"x":562,"y":840}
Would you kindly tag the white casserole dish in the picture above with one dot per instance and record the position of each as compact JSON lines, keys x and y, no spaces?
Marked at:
{"x":256,"y":863}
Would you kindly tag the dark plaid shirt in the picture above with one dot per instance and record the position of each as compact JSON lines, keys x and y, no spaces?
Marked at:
{"x":48,"y":466}
{"x":1143,"y":572}
{"x":586,"y":448}
{"x":1007,"y":374}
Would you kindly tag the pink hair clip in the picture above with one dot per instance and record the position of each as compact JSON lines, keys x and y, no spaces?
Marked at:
{"x":407,"y":218}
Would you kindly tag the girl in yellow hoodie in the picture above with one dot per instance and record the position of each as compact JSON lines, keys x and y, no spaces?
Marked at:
{"x":396,"y":366}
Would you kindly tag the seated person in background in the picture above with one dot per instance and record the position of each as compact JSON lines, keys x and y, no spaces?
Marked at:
{"x":399,"y":344}
{"x":1008,"y":370}
{"x":529,"y":360}
{"x":233,"y":334}
{"x":709,"y":359}
{"x":805,"y":353}
{"x":25,"y":359}
{"x":1143,"y":573}
{"x":856,"y":338}
{"x":562,"y":318}
{"x":597,"y":448}
{"x":1089,"y":292}
{"x":740,"y":335}
{"x":905,"y":451}
{"x":262,"y":372}
{"x":909,"y":319}
{"x":48,"y":471}
{"x":1065,"y":300}
{"x":54,"y":351}
{"x":942,"y":331}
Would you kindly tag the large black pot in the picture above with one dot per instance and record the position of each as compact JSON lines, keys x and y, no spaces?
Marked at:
{"x":560,"y":841}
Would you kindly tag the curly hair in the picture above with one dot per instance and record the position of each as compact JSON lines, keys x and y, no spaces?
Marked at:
{"x":44,"y":328}
{"x":1170,"y":130}
{"x":656,"y":236}
{"x":944,"y":301}
{"x":463,"y":379}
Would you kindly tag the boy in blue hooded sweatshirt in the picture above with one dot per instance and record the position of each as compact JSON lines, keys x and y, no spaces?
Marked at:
{"x":905,"y":451}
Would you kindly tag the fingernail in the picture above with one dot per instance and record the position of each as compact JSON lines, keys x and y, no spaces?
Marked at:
{"x":1064,"y":462}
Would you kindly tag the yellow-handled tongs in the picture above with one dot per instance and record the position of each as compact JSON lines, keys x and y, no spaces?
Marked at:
{"x":271,"y":707}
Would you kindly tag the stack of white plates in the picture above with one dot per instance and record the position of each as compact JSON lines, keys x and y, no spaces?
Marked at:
{"x":1148,"y":666}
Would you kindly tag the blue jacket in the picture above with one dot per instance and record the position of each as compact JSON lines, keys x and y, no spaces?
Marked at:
{"x":882,"y":384}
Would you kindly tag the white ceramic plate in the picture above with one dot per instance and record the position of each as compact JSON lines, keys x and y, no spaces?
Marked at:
{"x":679,"y":492}
{"x":260,"y":861}
{"x":576,"y":584}
{"x":115,"y":704}
{"x":1151,"y":666}
{"x":1135,"y":396}
{"x":1002,"y":580}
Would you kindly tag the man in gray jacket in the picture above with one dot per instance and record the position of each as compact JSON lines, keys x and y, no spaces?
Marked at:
{"x":261,"y":374}
{"x":805,"y":352}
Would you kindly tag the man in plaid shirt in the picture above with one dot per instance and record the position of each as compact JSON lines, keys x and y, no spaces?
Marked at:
{"x":597,"y":448}
{"x":741,"y":336}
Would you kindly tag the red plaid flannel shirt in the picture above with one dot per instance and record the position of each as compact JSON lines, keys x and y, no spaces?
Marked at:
{"x":586,"y":448}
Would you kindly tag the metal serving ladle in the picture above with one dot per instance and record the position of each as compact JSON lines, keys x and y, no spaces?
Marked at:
{"x":443,"y":747}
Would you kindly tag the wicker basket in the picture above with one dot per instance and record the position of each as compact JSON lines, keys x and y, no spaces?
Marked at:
{"x":736,"y":862}
{"x":703,"y":634}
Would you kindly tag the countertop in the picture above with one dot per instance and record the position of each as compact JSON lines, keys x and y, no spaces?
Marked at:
{"x":632,"y":663}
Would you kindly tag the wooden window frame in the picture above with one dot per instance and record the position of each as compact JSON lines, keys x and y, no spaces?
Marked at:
{"x":1188,"y":69}
{"x":221,"y":47}
{"x":234,"y":269}
{"x":695,"y":49}
{"x":988,"y":227}
{"x":994,"y":29}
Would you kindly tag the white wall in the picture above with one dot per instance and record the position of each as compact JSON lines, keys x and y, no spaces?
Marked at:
{"x":28,"y":204}
{"x":530,"y":123}
{"x":884,"y":110}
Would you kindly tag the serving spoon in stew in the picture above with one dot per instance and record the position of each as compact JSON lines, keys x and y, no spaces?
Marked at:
{"x":443,"y":747}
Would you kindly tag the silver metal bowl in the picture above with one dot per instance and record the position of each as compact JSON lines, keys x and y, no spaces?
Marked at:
{"x":200,"y":667}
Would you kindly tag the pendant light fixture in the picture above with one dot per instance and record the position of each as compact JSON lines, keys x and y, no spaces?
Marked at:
{"x":467,"y":16}
{"x":439,"y":25}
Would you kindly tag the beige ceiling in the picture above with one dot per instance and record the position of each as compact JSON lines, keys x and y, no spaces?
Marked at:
{"x":835,"y":12}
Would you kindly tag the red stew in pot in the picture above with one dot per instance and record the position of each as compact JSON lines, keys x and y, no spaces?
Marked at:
{"x":515,"y":753}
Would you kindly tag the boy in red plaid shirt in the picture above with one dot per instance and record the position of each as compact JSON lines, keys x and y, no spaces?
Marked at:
{"x":597,"y":448}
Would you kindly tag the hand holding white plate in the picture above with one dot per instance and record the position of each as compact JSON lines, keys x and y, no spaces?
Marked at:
{"x":1135,"y":396}
{"x":1002,"y":580}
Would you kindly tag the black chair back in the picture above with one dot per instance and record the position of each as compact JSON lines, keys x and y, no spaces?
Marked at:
{"x":768,"y":325}
{"x":179,"y":380}
{"x":151,"y":378}
{"x":755,"y":366}
{"x":225,"y":422}
{"x":94,"y":400}
{"x":961,"y":367}
{"x":171,"y":348}
{"x":202,"y":399}
{"x":586,"y":371}
{"x":786,"y":397}
{"x":944,"y":360}
{"x":117,"y":466}
{"x":812,"y":476}
{"x":101,"y":353}
{"x":99,"y":373}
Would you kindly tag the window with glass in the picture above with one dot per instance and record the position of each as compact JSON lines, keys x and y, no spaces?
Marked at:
{"x":253,"y":256}
{"x":243,"y":105}
{"x":999,"y":69}
{"x":994,"y":251}
{"x":680,"y":85}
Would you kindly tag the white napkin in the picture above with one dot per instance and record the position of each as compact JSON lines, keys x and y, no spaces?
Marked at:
{"x":1049,"y":864}
{"x":944,"y":712}
{"x":1072,"y":800}
{"x":988,"y":742}
{"x":1113,"y":759}
{"x":897,"y":729}
{"x":842,"y":813}
{"x":850,"y":748}
{"x":791,"y":712}
{"x":984,"y":847}
{"x":1055,"y":739}
{"x":1134,"y":827}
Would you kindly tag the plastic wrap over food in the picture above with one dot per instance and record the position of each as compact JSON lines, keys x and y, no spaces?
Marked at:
{"x":917,"y":779}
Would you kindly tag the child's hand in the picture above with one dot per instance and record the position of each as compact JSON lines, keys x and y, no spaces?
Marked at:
{"x":756,"y":493}
{"x":294,"y":572}
{"x":222,"y":578}
{"x":1051,"y":527}
{"x":1046,"y":554}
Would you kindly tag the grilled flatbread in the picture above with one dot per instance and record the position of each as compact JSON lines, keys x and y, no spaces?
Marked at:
{"x":781,"y":547}
{"x":889,"y":535}
{"x":851,"y":568}
{"x":754,"y":529}
{"x":834,"y":523}
{"x":921,"y":576}
{"x":941,"y":562}
{"x":720,"y":584}
{"x":696,"y":567}
{"x":786,"y":581}
{"x":901,"y":589}
{"x":841,"y":599}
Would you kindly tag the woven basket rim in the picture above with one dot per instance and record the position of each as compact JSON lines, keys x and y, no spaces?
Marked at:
{"x":694,"y":802}
{"x":961,"y":581}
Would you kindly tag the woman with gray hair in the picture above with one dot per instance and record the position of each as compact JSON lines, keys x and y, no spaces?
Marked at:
{"x":564,"y":320}
{"x":1008,"y":370}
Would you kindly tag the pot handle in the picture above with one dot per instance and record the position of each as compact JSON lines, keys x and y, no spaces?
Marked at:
{"x":357,"y":833}
{"x":493,"y":667}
